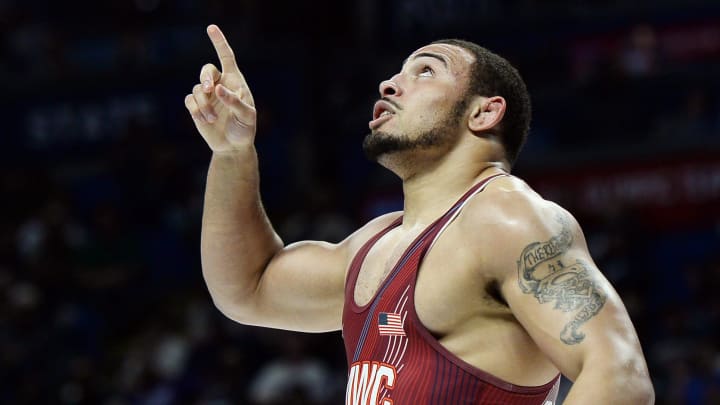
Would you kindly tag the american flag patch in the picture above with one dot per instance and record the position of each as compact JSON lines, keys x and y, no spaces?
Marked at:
{"x":390,"y":324}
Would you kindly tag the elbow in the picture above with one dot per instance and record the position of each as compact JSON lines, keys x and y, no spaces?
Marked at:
{"x":617,"y":381}
{"x":237,"y":307}
{"x":646,"y":394}
{"x":638,"y":390}
{"x":636,"y":380}
{"x":633,"y":384}
{"x":235,"y":300}
{"x":241,"y":314}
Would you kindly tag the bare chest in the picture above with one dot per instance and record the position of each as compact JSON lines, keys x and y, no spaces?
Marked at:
{"x":379,"y":263}
{"x":449,"y":289}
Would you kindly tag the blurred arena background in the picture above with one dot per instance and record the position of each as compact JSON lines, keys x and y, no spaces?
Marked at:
{"x":102,"y":176}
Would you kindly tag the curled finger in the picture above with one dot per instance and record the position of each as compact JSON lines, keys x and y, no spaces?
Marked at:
{"x":192,"y":107}
{"x":203,"y":101}
{"x":209,"y":75}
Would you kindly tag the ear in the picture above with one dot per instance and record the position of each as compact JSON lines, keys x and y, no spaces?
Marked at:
{"x":487,"y":112}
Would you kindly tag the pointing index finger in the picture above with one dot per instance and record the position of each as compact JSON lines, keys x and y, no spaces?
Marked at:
{"x":222,"y":47}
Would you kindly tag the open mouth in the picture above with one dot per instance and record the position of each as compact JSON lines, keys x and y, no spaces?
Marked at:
{"x":382,"y":112}
{"x":382,"y":108}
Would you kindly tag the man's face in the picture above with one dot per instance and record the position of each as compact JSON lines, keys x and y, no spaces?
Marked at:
{"x":422,"y":106}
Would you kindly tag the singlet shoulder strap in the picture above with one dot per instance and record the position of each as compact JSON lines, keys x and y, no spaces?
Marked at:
{"x":480,"y":186}
{"x":446,"y":218}
{"x":454,"y":211}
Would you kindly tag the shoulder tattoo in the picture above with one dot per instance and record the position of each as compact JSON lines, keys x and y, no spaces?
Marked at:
{"x":545,"y":272}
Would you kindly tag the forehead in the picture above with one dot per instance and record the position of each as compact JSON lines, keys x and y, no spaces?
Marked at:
{"x":459,"y":59}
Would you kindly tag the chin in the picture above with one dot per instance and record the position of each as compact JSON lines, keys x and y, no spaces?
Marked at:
{"x":380,"y":143}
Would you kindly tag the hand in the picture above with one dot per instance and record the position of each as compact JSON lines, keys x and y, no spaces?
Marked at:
{"x":222,"y":106}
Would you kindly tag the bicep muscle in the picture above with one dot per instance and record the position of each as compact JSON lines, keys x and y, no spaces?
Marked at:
{"x":547,"y":271}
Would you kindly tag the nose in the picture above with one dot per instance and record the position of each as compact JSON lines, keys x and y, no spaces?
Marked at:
{"x":389,"y":88}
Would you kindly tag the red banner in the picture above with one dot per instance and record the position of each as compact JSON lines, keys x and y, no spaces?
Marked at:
{"x":645,"y":46}
{"x":661,"y":193}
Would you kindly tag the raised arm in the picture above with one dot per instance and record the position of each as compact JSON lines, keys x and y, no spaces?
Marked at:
{"x":564,"y":302}
{"x":251,"y":276}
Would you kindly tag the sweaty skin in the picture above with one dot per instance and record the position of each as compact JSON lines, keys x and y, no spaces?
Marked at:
{"x":509,"y":287}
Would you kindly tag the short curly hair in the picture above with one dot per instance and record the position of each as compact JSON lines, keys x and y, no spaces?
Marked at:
{"x":492,"y":75}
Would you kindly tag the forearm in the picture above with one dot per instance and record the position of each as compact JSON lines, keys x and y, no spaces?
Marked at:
{"x":606,"y":385}
{"x":237,"y":238}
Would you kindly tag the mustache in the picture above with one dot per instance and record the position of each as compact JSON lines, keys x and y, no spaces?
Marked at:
{"x":392,"y":103}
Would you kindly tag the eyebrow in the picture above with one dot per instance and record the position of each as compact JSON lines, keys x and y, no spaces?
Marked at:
{"x":429,"y":55}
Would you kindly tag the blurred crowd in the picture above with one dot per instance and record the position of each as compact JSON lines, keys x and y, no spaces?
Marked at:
{"x":101,"y":294}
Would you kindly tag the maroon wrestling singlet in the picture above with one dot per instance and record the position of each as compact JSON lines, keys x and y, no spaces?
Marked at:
{"x":393,"y":359}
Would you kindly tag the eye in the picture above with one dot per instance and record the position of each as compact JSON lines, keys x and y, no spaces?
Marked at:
{"x":426,"y":71}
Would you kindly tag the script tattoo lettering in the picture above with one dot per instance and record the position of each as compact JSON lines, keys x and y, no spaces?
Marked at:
{"x":544,"y":272}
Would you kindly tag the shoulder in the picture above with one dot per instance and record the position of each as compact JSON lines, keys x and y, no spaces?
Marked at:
{"x":508,"y":216}
{"x":348,"y":247}
{"x":510,"y":204}
{"x":354,"y":242}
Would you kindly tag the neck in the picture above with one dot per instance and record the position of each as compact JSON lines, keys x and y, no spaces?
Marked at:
{"x":430,"y":193}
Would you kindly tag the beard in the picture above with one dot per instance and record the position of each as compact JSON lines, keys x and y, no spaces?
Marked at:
{"x":379,"y":143}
